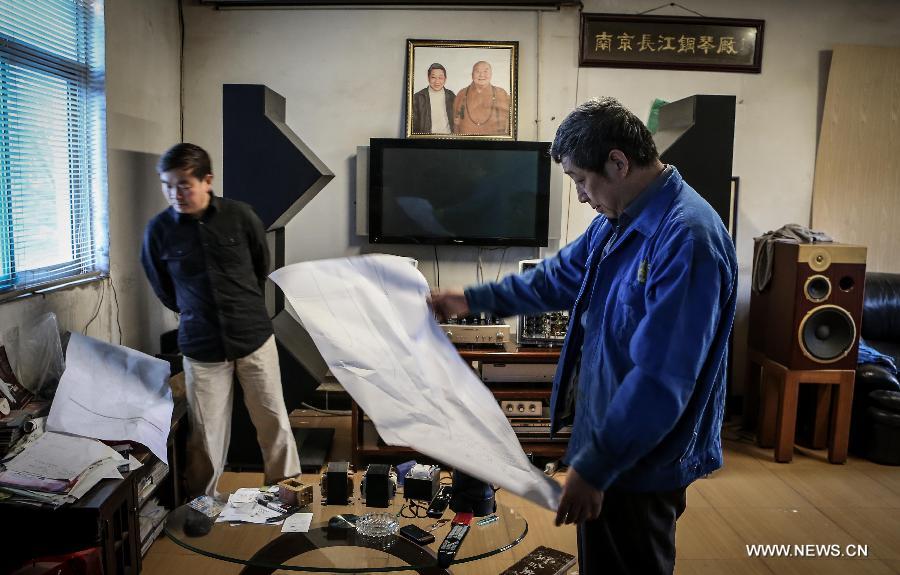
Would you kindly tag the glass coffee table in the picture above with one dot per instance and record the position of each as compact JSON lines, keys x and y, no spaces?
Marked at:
{"x":264,"y":548}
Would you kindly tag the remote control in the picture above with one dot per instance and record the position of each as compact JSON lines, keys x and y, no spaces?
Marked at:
{"x":440,"y":502}
{"x":451,"y":544}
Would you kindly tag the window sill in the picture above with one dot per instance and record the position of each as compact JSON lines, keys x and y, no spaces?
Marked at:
{"x":43,"y":290}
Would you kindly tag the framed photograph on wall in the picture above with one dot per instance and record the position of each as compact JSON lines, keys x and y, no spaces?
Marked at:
{"x":461,"y":89}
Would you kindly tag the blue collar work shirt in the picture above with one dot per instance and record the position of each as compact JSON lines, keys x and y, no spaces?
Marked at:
{"x":648,"y":335}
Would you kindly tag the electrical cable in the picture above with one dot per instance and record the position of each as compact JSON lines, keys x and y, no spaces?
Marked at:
{"x":181,"y":68}
{"x":416,"y":510}
{"x":116,"y":298}
{"x":437,"y":263}
{"x":97,"y":312}
{"x":672,"y":4}
{"x":569,"y":200}
{"x":479,"y":270}
{"x":500,"y":267}
{"x":340,"y":412}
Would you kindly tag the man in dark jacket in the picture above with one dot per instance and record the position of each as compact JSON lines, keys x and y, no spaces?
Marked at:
{"x":432,"y":110}
{"x":207,"y":259}
{"x":651,"y":286}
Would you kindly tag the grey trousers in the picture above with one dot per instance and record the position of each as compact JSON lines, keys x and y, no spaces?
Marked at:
{"x":210,"y":391}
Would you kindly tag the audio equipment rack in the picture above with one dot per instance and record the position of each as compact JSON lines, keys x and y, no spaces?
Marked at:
{"x":364,"y":438}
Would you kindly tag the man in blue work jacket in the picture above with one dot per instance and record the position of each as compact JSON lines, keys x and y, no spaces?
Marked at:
{"x":651,"y":286}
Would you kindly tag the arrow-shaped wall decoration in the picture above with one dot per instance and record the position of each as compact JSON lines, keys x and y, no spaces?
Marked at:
{"x":266,"y":164}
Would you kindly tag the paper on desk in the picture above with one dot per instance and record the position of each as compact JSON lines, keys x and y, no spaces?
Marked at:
{"x":59,"y":456}
{"x":106,"y":469}
{"x":297,"y":523}
{"x":369,"y":319}
{"x":242,"y":507}
{"x":243,"y":495}
{"x":114,"y":393}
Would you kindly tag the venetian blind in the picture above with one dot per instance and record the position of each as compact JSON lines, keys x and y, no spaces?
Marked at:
{"x":52,"y":143}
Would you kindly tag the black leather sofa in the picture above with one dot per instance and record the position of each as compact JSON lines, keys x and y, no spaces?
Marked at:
{"x":881,"y":313}
{"x":875,"y":423}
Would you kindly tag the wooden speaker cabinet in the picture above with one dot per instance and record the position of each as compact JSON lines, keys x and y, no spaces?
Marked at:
{"x":809,"y":316}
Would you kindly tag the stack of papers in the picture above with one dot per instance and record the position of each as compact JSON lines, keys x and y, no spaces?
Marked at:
{"x":56,"y":469}
{"x":242,"y":507}
{"x":151,"y":519}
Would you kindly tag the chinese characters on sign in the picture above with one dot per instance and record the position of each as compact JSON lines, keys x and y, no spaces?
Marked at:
{"x":686,"y":43}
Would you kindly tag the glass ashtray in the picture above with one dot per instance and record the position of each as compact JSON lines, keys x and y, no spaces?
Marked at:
{"x":377,"y":525}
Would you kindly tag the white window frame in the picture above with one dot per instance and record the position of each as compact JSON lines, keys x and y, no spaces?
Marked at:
{"x":87,"y":193}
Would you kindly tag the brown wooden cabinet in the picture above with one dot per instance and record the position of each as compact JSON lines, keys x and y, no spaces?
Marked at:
{"x":367,"y":446}
{"x":106,"y":517}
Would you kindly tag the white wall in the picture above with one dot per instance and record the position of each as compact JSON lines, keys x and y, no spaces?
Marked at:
{"x":142,"y":120}
{"x":143,"y":115}
{"x":777,"y":110}
{"x":342,"y":73}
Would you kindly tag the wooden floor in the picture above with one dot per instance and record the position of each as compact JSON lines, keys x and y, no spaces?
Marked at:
{"x":752,"y":500}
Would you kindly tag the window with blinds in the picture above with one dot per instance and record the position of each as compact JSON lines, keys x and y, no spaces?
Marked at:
{"x":53,"y":220}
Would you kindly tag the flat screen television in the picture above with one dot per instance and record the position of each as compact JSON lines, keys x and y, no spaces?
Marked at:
{"x":471,"y":192}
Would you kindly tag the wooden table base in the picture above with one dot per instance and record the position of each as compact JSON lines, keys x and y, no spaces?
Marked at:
{"x":290,"y":545}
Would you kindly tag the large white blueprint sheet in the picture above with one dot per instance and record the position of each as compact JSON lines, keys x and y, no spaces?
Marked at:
{"x":113,"y":393}
{"x":369,"y":318}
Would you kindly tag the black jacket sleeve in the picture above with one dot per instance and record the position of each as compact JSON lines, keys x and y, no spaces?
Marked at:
{"x":157,"y":272}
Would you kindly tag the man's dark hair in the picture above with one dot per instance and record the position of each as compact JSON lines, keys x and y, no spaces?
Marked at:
{"x":188,"y":157}
{"x":595,"y":128}
{"x":436,"y":66}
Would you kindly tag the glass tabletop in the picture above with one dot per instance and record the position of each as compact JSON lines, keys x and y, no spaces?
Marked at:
{"x":264,"y":548}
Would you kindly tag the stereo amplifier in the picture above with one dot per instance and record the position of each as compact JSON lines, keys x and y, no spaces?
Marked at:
{"x":541,"y":329}
{"x":518,"y":372}
{"x":492,"y":335}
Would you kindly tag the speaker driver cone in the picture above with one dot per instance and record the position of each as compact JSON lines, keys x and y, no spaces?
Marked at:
{"x":817,"y":288}
{"x":820,"y":259}
{"x":827,"y":333}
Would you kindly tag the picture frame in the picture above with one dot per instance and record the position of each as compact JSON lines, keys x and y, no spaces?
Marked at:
{"x":671,"y":43}
{"x":470,"y":85}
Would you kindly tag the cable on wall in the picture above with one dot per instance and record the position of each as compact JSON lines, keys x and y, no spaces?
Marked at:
{"x":116,"y":298}
{"x":437,"y":265}
{"x":97,"y":311}
{"x":670,"y":4}
{"x":537,"y":82}
{"x":569,"y":201}
{"x":181,"y":69}
{"x":479,"y":268}
{"x":500,"y":266}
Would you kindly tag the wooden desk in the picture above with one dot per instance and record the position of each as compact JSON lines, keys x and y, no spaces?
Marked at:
{"x":364,"y":438}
